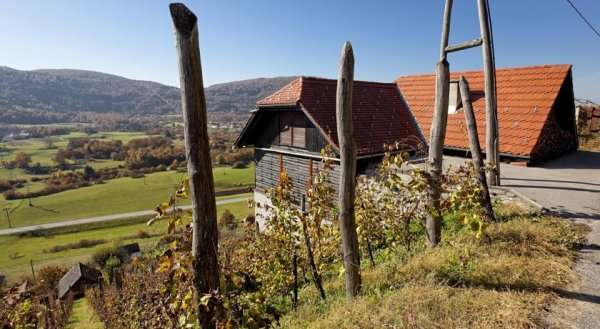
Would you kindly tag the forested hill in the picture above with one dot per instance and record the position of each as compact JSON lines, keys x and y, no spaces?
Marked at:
{"x":53,"y":95}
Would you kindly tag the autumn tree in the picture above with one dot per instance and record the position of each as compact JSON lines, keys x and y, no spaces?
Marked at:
{"x":22,"y":160}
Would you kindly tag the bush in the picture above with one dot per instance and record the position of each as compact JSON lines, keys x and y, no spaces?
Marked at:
{"x":48,"y":276}
{"x":228,"y":220}
{"x":84,"y":243}
{"x":101,"y":256}
{"x":239,"y":165}
{"x":5,"y":185}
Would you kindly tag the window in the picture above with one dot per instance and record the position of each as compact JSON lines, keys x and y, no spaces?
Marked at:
{"x":292,"y":131}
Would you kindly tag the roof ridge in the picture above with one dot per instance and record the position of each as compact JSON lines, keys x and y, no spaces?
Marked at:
{"x":314,"y":78}
{"x":506,"y":68}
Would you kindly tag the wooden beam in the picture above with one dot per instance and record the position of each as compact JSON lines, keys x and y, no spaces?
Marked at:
{"x":202,"y":191}
{"x":491,"y":114}
{"x":486,"y":200}
{"x":464,"y":45}
{"x":345,"y":132}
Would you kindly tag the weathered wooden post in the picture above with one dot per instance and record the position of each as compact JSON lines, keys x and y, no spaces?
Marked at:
{"x":465,"y":95}
{"x":202,"y":191}
{"x":345,"y":132}
{"x":491,"y":113}
{"x":433,"y":222}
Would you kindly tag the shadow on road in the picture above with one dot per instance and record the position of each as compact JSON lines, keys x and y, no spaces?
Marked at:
{"x":575,"y":160}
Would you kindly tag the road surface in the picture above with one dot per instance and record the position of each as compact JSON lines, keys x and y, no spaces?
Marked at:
{"x":98,"y":219}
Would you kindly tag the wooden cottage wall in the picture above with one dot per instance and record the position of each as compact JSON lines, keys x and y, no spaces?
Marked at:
{"x":298,"y":168}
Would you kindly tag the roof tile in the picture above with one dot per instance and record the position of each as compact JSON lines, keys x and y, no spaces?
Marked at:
{"x":525,"y":97}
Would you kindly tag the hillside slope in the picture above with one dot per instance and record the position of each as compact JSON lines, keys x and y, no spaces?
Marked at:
{"x":41,"y":96}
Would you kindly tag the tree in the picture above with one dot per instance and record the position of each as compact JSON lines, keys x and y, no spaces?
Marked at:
{"x":89,"y":173}
{"x":22,"y":160}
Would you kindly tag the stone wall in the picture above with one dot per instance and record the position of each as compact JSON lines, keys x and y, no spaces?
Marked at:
{"x":588,"y":126}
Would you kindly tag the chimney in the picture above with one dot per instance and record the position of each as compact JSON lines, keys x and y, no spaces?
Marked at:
{"x":454,"y":102}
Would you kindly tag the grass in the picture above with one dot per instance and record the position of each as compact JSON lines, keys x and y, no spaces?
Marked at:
{"x":113,"y":197}
{"x":504,"y":281}
{"x":39,"y":152}
{"x":83,"y":316}
{"x":32,"y":248}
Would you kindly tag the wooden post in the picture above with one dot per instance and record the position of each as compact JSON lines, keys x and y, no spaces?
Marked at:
{"x":491,"y":113}
{"x":345,"y":133}
{"x":202,"y":191}
{"x":433,"y":222}
{"x":465,"y":94}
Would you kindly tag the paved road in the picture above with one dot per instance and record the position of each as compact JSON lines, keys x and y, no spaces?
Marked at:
{"x":107,"y":218}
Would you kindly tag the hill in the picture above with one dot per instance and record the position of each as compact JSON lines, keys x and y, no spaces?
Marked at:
{"x":44,"y":96}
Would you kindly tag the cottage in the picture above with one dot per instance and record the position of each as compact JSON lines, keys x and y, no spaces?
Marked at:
{"x":77,"y":280}
{"x":290,"y":127}
{"x":536,"y":112}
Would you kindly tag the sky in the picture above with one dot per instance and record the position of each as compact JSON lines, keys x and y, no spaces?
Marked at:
{"x":244,"y":39}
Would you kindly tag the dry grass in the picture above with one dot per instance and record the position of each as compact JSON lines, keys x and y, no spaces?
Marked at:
{"x":503,"y":281}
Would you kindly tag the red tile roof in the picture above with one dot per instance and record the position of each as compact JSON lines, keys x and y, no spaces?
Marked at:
{"x":379,"y":114}
{"x":525,"y":97}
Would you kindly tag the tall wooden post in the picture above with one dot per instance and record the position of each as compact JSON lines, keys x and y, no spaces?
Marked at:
{"x":433,"y":223}
{"x":345,"y":132}
{"x":465,"y":94}
{"x":491,"y":113}
{"x":202,"y":191}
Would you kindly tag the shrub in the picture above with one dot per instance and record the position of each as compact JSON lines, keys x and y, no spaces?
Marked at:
{"x":228,"y":220}
{"x":239,"y":165}
{"x":48,"y":276}
{"x":5,"y":185}
{"x":101,"y":256}
{"x":84,"y":243}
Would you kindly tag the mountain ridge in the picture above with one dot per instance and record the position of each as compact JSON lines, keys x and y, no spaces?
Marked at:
{"x":52,"y":92}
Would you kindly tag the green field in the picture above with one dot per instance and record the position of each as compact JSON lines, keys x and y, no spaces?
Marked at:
{"x":115,"y":196}
{"x":16,"y":252}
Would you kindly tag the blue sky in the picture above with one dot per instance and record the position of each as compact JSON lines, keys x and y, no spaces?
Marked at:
{"x":262,"y":38}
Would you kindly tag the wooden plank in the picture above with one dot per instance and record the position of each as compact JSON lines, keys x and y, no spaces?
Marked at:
{"x":491,"y":113}
{"x":475,"y":148}
{"x":464,"y":45}
{"x":202,"y":191}
{"x":347,"y":145}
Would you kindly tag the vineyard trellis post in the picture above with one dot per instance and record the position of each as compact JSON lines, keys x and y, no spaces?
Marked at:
{"x":199,"y":166}
{"x":433,"y":222}
{"x":440,"y":117}
{"x":345,"y":133}
{"x":465,"y":94}
{"x":491,"y":111}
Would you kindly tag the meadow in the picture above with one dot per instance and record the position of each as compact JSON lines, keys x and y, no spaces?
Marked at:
{"x":17,"y":252}
{"x":115,"y":196}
